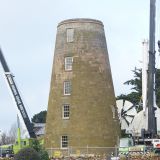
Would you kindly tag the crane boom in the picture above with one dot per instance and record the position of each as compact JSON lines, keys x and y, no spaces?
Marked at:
{"x":152,"y":126}
{"x":14,"y":90}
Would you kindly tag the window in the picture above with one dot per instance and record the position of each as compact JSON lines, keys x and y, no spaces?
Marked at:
{"x":113,"y":111}
{"x":67,"y":88}
{"x":66,"y":109}
{"x":64,"y":141}
{"x":68,"y":63}
{"x":70,"y":33}
{"x":25,"y":143}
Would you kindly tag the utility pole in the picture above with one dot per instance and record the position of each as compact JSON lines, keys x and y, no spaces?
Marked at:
{"x":152,"y":126}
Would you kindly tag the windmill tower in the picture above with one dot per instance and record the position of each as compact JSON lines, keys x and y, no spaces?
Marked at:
{"x":81,"y":108}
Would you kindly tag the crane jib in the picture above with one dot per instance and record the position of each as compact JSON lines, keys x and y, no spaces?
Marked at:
{"x":16,"y":95}
{"x":17,"y":98}
{"x":3,"y":62}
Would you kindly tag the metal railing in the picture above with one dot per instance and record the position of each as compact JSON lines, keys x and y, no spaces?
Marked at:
{"x":101,"y":153}
{"x":97,"y":153}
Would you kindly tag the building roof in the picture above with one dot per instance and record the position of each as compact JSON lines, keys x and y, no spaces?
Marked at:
{"x":39,"y":129}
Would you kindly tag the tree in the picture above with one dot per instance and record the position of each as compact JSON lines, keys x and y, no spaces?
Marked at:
{"x":41,"y":151}
{"x":157,"y":88}
{"x":39,"y":117}
{"x":4,"y":139}
{"x":34,"y":152}
{"x":10,"y":137}
{"x":12,"y":134}
{"x":133,"y":97}
{"x":136,"y":83}
{"x":36,"y":145}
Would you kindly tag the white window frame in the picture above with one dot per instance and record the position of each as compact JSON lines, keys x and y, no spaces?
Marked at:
{"x":70,"y":34}
{"x":64,"y":139}
{"x":66,"y":111}
{"x":67,"y":87}
{"x":113,"y":112}
{"x":68,"y":63}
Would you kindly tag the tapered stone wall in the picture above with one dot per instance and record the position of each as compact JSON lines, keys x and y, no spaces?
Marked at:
{"x":91,"y":117}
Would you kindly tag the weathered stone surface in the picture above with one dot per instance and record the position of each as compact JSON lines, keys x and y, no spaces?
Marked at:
{"x":92,"y":100}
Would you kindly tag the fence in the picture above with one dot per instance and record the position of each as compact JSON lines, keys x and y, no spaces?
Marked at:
{"x":83,"y":152}
{"x":106,"y":152}
{"x":98,"y":153}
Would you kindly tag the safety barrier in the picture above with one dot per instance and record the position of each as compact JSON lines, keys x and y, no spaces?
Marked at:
{"x":104,"y":153}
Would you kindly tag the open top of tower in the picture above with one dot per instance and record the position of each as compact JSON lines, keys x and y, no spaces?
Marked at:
{"x":80,"y":20}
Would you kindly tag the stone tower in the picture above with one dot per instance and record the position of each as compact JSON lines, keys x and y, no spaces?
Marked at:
{"x":81,"y":108}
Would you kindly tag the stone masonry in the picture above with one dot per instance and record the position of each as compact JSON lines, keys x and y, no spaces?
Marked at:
{"x":91,"y":118}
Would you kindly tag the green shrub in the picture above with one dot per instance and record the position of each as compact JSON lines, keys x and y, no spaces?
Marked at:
{"x":41,"y":151}
{"x":27,"y":154}
{"x":43,"y":155}
{"x":36,"y":145}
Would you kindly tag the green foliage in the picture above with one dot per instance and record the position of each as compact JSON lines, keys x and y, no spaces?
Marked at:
{"x":41,"y":151}
{"x":44,"y":155}
{"x":136,"y":83}
{"x":123,"y":134}
{"x":36,"y":152}
{"x":27,"y":154}
{"x":158,"y":87}
{"x":40,"y":117}
{"x":36,"y":145}
{"x":133,"y":97}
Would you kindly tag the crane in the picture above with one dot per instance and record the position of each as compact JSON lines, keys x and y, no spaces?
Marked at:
{"x":152,"y":127}
{"x":16,"y":95}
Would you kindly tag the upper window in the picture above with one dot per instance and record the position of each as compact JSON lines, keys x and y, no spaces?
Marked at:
{"x":64,"y":141}
{"x":70,"y":34}
{"x":67,"y":88}
{"x":68,"y":63}
{"x":114,"y":112}
{"x":66,"y":110}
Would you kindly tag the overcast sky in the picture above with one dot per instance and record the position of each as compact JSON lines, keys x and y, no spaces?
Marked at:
{"x":27,"y":39}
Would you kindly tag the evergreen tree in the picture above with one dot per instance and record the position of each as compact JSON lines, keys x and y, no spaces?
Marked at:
{"x":136,"y":83}
{"x":39,"y":117}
